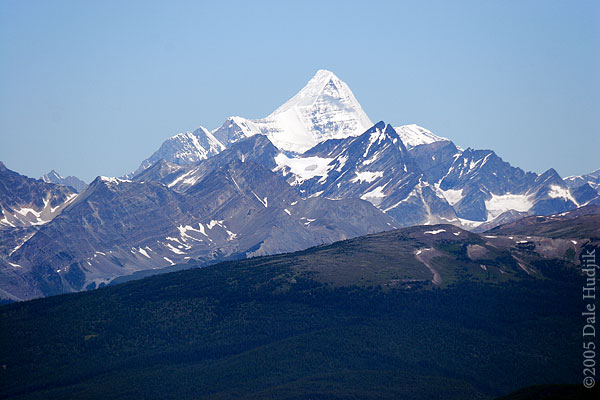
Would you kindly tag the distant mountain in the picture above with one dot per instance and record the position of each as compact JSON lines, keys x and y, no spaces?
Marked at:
{"x":375,"y":166}
{"x":72,"y":181}
{"x":431,"y":182}
{"x":434,"y":180}
{"x":578,"y":182}
{"x":26,"y":205}
{"x":485,"y":190}
{"x":26,"y":201}
{"x":426,"y":312}
{"x":324,"y":109}
{"x":184,"y":148}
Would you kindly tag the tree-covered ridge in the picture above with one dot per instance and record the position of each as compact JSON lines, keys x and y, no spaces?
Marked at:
{"x":274,"y":327}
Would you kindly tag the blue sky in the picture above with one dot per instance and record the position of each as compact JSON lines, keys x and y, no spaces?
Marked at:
{"x":93,"y":87}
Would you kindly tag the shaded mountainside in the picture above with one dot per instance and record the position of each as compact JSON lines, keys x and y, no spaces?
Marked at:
{"x":227,"y":207}
{"x":375,"y":166}
{"x":362,"y":318}
{"x":592,"y":179}
{"x":26,"y":205}
{"x":26,"y":201}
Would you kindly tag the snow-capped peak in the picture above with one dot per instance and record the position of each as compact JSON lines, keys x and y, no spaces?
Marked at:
{"x":323,"y":83}
{"x":323,"y":109}
{"x":234,"y":129}
{"x":413,"y":135}
{"x":184,"y":148}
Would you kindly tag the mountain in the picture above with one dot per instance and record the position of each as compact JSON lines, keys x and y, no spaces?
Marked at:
{"x":586,"y":187}
{"x":324,"y":109}
{"x":420,"y":178}
{"x":432,"y":181}
{"x":72,"y":181}
{"x":184,"y":148}
{"x":27,"y":202}
{"x":592,"y":179}
{"x":228,"y":206}
{"x":420,"y":312}
{"x":374,"y":166}
{"x":26,"y":205}
{"x":484,"y":190}
{"x":312,"y":172}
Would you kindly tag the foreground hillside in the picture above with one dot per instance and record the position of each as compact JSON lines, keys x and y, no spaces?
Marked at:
{"x":418,"y":313}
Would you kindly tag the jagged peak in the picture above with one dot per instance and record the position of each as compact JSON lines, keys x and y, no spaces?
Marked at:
{"x":49,"y":175}
{"x":550,"y":174}
{"x":381,"y":128}
{"x":382,"y":133}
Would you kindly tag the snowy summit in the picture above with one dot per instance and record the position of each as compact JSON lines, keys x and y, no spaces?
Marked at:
{"x":324,"y":109}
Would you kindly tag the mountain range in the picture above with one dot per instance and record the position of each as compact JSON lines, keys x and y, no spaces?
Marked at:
{"x":314,"y":171}
{"x":321,"y":129}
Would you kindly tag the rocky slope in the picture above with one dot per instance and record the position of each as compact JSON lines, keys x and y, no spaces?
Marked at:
{"x":229,"y":206}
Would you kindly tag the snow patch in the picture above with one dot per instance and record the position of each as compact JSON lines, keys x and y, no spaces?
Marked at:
{"x":557,"y":192}
{"x":499,"y":204}
{"x":303,"y":168}
{"x":366,"y":176}
{"x":374,"y":196}
{"x":435,"y":232}
{"x":413,"y":135}
{"x":143,"y":252}
{"x":169,"y":261}
{"x":452,"y":196}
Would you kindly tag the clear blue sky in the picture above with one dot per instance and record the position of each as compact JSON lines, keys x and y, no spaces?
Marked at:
{"x":93,"y":87}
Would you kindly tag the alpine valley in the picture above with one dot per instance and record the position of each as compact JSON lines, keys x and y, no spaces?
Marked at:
{"x":315,"y":171}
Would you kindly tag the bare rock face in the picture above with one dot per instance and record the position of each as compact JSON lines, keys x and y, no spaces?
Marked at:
{"x":229,"y":206}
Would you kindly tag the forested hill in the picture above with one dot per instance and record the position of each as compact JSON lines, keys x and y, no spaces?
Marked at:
{"x":364,"y":318}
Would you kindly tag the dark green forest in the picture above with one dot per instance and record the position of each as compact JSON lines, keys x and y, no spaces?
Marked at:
{"x":256,"y":329}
